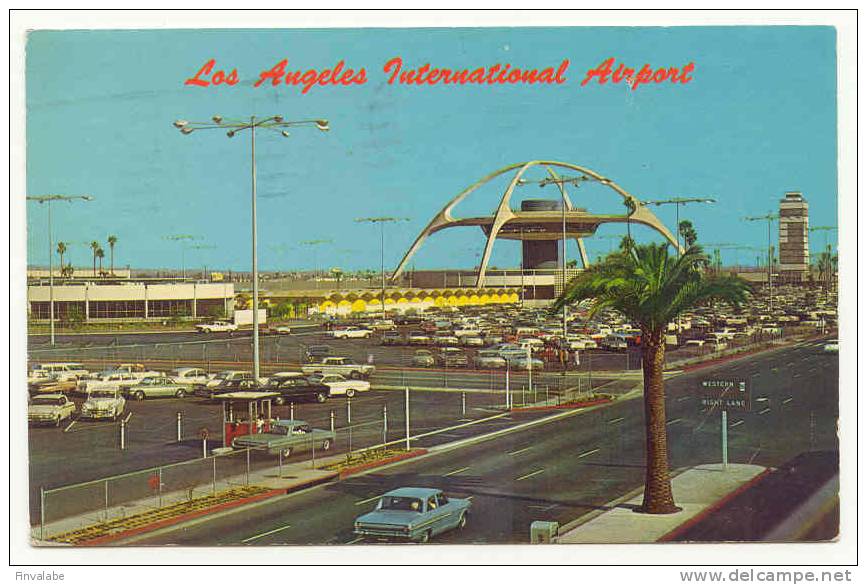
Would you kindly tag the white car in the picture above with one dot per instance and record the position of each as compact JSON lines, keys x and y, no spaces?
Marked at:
{"x":64,"y":371}
{"x":103,"y":403}
{"x":231,"y":375}
{"x":50,"y":409}
{"x":107,"y":381}
{"x":216,"y":326}
{"x":191,"y":376}
{"x":340,"y":386}
{"x":351,"y":333}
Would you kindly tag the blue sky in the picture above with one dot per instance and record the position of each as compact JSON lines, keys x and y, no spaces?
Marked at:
{"x":758,"y":119}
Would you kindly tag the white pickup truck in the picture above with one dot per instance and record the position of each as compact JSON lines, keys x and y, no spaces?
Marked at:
{"x":216,"y":326}
{"x":339,"y":365}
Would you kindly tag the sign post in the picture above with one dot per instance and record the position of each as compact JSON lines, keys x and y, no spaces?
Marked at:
{"x":725,"y":394}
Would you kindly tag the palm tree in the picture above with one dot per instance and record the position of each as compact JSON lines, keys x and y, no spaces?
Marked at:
{"x":687,"y":232}
{"x":94,"y":246}
{"x":651,"y":289}
{"x":112,"y":240}
{"x":61,"y":249}
{"x":100,"y":253}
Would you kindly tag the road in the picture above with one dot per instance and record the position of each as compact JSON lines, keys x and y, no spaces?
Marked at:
{"x":562,"y":469}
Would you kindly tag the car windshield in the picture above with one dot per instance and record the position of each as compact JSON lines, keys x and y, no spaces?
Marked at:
{"x":278,"y":430}
{"x":102,"y":394}
{"x":47,"y":401}
{"x":400,"y":503}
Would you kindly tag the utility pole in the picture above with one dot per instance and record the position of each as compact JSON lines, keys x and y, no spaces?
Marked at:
{"x":770,"y":217}
{"x":381,"y":221}
{"x":48,"y":199}
{"x":233,"y":127}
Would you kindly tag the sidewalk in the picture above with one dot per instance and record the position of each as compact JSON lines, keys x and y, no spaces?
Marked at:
{"x":172,"y":507}
{"x":699,"y":491}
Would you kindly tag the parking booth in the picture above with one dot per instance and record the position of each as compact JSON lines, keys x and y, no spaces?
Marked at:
{"x":242,"y":412}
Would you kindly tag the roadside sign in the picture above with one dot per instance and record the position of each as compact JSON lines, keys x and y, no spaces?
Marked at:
{"x":725,"y":394}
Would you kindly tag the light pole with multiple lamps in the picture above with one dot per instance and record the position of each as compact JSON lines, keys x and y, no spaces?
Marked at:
{"x":677,"y":202}
{"x":381,"y":221}
{"x":48,"y":199}
{"x":233,"y":127}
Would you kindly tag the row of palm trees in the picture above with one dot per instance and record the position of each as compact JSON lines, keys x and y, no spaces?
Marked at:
{"x":98,"y":254}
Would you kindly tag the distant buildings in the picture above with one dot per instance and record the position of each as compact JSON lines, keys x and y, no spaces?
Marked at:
{"x":794,"y":242}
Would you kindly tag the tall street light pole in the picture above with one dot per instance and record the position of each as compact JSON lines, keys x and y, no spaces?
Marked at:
{"x":316,"y":270}
{"x":276,"y":124}
{"x":770,"y":217}
{"x":381,"y":221}
{"x":677,"y":202}
{"x":47,"y":199}
{"x":182,"y":239}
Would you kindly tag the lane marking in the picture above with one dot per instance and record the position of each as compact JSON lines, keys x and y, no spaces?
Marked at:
{"x":790,"y":363}
{"x":70,"y":425}
{"x":754,"y":456}
{"x":360,"y":538}
{"x":588,"y":453}
{"x":762,"y":399}
{"x":614,"y":421}
{"x":682,"y":398}
{"x":787,"y":400}
{"x":795,"y":375}
{"x":754,"y":374}
{"x":362,"y":502}
{"x":520,"y":450}
{"x":736,"y":424}
{"x":673,"y":421}
{"x":455,"y":472}
{"x":529,"y":475}
{"x":258,"y":536}
{"x":764,"y":411}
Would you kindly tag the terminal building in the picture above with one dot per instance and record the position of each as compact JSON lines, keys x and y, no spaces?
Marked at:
{"x":107,"y":300}
{"x":794,"y":242}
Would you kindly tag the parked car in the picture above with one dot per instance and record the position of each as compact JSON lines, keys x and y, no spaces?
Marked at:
{"x":157,"y":387}
{"x":489,"y":359}
{"x":351,"y":333}
{"x":446,"y":340}
{"x":135,"y":370}
{"x":208,"y":391}
{"x":190,"y":376}
{"x":340,"y":365}
{"x":522,"y":363}
{"x":317,"y":352}
{"x":296,"y":389}
{"x":833,"y":346}
{"x":286,"y":437}
{"x":103,"y":403}
{"x":418,"y":338}
{"x":453,"y":357}
{"x":391,"y":338}
{"x":423,"y":358}
{"x":216,"y":326}
{"x":382,"y":325}
{"x":339,"y":385}
{"x":414,"y":514}
{"x":229,"y":375}
{"x":50,"y":409}
{"x":281,"y":330}
{"x":472,"y":341}
{"x":106,"y":380}
{"x":64,"y":371}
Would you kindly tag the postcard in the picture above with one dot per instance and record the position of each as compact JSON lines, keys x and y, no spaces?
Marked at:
{"x":293,"y":290}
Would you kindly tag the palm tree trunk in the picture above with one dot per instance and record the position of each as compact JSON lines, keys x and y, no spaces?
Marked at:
{"x":658,"y":498}
{"x":94,"y":264}
{"x":112,"y":260}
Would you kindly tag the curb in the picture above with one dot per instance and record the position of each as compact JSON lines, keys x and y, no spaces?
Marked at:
{"x":564,"y":406}
{"x":344,"y":473}
{"x":683,"y":528}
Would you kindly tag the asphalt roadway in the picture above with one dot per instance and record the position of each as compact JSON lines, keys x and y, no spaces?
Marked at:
{"x":565,"y":468}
